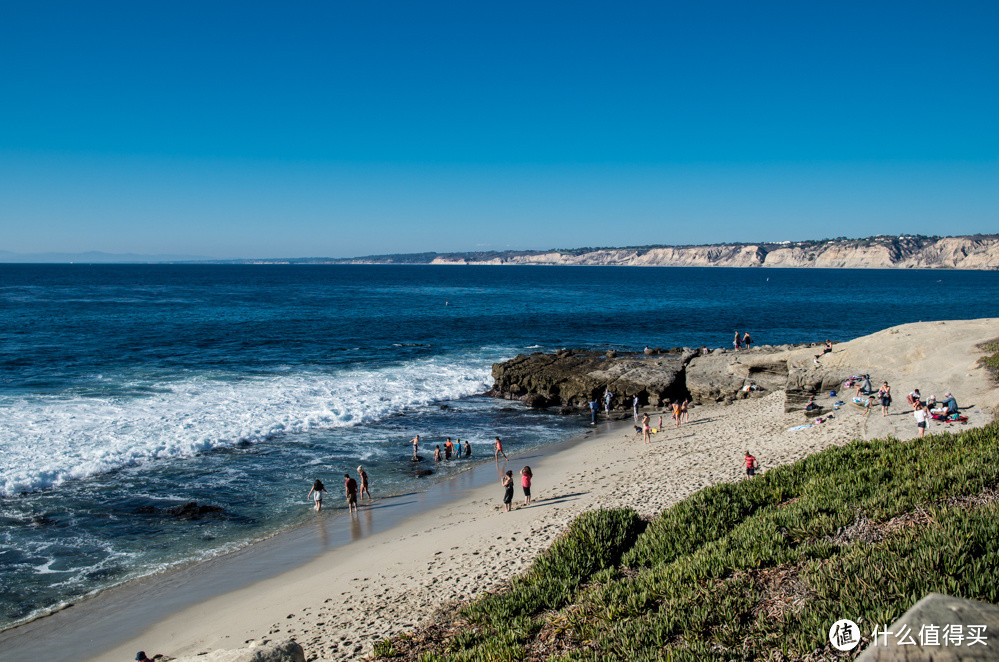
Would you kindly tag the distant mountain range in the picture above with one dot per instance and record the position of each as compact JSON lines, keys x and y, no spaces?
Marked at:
{"x":880,"y":252}
{"x":98,"y":257}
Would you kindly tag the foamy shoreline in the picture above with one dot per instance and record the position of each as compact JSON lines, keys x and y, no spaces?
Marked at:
{"x":338,"y":603}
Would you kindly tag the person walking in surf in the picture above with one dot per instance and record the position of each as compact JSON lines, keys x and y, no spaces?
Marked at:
{"x":364,"y":482}
{"x":316,"y":493}
{"x":499,"y":450}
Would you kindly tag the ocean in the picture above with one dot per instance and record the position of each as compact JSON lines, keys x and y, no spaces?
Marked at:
{"x":127,"y":390}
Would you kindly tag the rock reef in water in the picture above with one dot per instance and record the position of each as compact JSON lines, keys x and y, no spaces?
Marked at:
{"x":189,"y":510}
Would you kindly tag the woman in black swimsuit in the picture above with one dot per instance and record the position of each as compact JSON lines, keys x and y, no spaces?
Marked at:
{"x":507,"y":483}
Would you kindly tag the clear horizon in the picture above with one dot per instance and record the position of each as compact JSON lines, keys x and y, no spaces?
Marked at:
{"x":246,"y":131}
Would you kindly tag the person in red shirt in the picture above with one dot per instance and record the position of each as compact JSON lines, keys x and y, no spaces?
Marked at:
{"x":351,"y":486}
{"x":751,"y":465}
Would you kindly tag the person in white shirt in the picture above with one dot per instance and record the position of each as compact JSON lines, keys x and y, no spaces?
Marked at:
{"x":921,"y":414}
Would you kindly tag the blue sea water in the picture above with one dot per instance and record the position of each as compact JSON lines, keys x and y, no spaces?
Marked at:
{"x":128,"y":389}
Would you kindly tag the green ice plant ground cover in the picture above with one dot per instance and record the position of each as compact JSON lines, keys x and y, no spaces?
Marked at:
{"x":753,"y":570}
{"x":991,"y":359}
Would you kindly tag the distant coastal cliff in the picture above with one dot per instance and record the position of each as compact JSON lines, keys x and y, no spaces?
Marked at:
{"x":881,"y":252}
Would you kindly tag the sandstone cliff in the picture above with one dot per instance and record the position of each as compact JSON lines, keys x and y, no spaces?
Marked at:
{"x":906,"y":252}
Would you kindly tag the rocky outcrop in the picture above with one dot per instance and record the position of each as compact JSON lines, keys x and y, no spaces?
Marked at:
{"x":727,"y":375}
{"x":286,"y":651}
{"x":803,"y":384}
{"x":571,"y":378}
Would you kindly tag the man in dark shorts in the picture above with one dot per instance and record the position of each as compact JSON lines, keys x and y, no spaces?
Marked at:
{"x":751,"y":465}
{"x":351,"y":486}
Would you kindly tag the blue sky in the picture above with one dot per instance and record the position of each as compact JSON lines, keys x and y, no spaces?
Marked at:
{"x":337,"y":129}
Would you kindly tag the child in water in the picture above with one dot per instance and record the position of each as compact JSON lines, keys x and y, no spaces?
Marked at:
{"x":316,"y":494}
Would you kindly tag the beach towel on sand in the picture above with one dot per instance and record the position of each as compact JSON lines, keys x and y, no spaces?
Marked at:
{"x":798,"y":427}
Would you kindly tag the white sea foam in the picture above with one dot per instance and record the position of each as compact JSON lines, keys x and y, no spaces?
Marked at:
{"x":48,"y":440}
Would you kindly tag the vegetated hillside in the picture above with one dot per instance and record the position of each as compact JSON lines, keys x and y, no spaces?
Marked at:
{"x":757,"y":569}
{"x":881,"y":252}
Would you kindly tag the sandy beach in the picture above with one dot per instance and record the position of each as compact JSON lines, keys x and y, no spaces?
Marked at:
{"x":337,"y":604}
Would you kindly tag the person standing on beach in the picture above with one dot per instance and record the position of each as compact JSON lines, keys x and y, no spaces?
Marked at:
{"x":364,"y":482}
{"x":608,"y":397}
{"x":448,"y":448}
{"x":747,"y":339}
{"x":684,"y":409}
{"x":507,"y":483}
{"x":885,"y":394}
{"x":646,"y":437}
{"x":676,"y":412}
{"x":316,"y":493}
{"x":499,"y":450}
{"x":350,"y":485}
{"x":921,"y":414}
{"x":751,"y":465}
{"x":468,"y":449}
{"x":437,"y":454}
{"x":737,"y":343}
{"x":593,"y":411}
{"x":634,"y":406}
{"x":416,"y":447}
{"x":525,"y":481}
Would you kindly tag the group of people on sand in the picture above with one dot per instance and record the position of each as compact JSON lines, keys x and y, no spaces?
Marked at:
{"x":680,"y":414}
{"x":924,"y":410}
{"x":350,"y":487}
{"x":742,"y":341}
{"x":506,"y":480}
